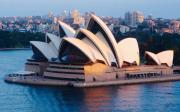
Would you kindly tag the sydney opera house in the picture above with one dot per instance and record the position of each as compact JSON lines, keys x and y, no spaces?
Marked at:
{"x":92,"y":55}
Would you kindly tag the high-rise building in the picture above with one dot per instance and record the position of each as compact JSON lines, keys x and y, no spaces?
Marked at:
{"x":78,"y":19}
{"x":150,"y":17}
{"x":50,"y":14}
{"x":138,"y":17}
{"x":134,"y":18}
{"x":75,"y":14}
{"x":128,"y":18}
{"x":65,"y":14}
{"x":55,"y":20}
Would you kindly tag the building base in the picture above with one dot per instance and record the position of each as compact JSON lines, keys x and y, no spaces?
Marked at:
{"x":42,"y":81}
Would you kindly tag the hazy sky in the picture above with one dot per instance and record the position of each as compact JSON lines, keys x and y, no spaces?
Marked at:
{"x":157,"y":8}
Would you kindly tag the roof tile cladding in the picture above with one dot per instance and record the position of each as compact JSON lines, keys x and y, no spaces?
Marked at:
{"x":96,"y":25}
{"x":65,"y":30}
{"x":54,"y":42}
{"x":130,"y":50}
{"x":84,"y":34}
{"x":42,"y":51}
{"x":97,"y":43}
{"x":164,"y":57}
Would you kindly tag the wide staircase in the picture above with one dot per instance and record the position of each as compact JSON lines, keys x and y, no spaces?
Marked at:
{"x":61,"y":71}
{"x":176,"y":69}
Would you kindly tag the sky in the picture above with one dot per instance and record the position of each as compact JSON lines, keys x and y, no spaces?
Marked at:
{"x":116,"y":8}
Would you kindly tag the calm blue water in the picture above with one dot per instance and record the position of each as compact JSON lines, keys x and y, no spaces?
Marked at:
{"x":162,"y":97}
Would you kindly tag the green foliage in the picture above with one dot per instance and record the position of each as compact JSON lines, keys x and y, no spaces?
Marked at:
{"x":148,"y":41}
{"x":18,"y":39}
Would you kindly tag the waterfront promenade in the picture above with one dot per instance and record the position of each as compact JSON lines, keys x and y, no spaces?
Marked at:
{"x":39,"y":80}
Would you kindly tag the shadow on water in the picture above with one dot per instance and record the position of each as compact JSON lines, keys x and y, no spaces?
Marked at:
{"x":132,"y":98}
{"x":139,"y":98}
{"x":68,"y":99}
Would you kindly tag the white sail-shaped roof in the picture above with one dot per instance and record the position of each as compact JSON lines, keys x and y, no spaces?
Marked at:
{"x":130,"y":50}
{"x":55,"y":40}
{"x":67,"y":30}
{"x":106,"y":36}
{"x":166,"y":57}
{"x":153,"y":57}
{"x":46,"y":49}
{"x":85,"y":48}
{"x":102,"y":48}
{"x":94,"y":49}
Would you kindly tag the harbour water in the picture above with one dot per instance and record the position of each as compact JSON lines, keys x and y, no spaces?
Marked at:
{"x":157,"y":97}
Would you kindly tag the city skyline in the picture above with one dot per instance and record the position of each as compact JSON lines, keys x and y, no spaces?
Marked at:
{"x":113,"y":8}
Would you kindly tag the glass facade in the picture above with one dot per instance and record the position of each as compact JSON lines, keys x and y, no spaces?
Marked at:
{"x":71,"y":54}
